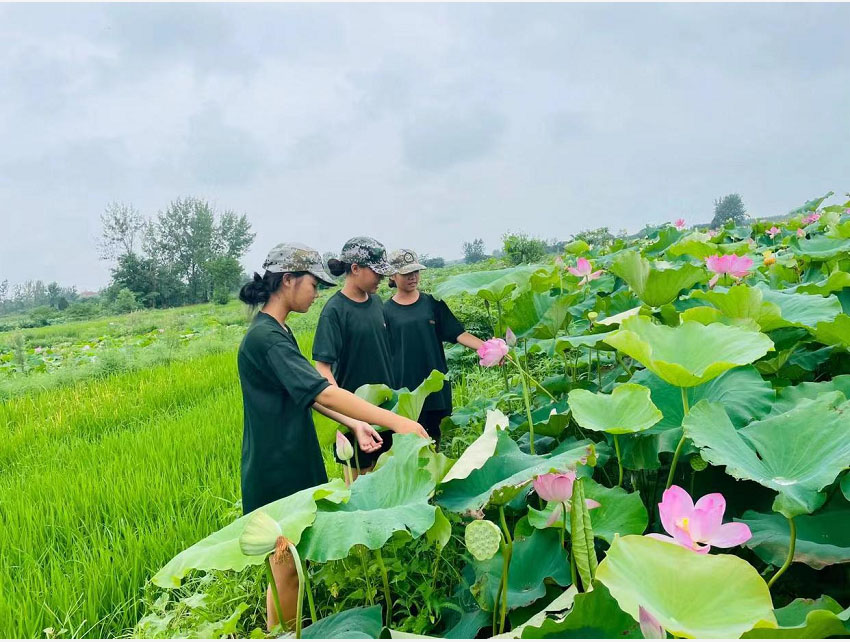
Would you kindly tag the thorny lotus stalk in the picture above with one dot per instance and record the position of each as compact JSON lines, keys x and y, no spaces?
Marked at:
{"x":308,"y":589}
{"x":790,"y":557}
{"x":273,"y":585}
{"x":507,"y":552}
{"x":386,"y":581}
{"x":681,"y":441}
{"x":619,"y":462}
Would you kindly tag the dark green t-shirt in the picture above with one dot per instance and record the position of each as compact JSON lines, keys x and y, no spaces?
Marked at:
{"x":280,"y":450}
{"x":417,"y":332}
{"x":352,"y":336}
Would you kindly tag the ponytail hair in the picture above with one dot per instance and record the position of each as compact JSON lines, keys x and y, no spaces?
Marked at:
{"x":258,"y":290}
{"x":338,"y":268}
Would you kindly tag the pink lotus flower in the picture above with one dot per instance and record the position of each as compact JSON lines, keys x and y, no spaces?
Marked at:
{"x":649,"y":626}
{"x":731,"y":264}
{"x":800,"y":233}
{"x":492,"y":352}
{"x":510,"y":337}
{"x":698,"y":527}
{"x":559,"y":262}
{"x":773,"y":231}
{"x":558,"y":487}
{"x":814,"y":217}
{"x":344,"y":449}
{"x":679,"y":224}
{"x":584,"y":270}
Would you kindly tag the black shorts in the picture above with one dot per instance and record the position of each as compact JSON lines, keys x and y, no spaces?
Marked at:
{"x":367,"y":460}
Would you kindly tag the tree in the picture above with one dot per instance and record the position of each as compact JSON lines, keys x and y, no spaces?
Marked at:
{"x":433,"y":261}
{"x":4,"y":290}
{"x":520,"y":248}
{"x":122,"y":226}
{"x":233,"y":235}
{"x":729,"y":208}
{"x":474,"y":252}
{"x":225,"y":275}
{"x":125,"y":301}
{"x":54,"y":293}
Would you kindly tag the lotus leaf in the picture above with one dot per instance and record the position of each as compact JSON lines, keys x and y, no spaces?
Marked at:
{"x":654,"y":286}
{"x":627,"y":409}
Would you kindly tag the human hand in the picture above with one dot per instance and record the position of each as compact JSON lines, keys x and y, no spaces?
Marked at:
{"x":367,"y":437}
{"x":411,"y":426}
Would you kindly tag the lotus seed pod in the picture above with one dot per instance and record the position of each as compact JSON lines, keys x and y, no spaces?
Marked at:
{"x":698,"y":463}
{"x":482,"y":539}
{"x":260,"y":535}
{"x":592,"y":315}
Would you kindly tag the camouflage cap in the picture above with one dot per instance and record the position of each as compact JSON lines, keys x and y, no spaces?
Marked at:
{"x":405,"y":261}
{"x":295,"y":257}
{"x":366,"y":251}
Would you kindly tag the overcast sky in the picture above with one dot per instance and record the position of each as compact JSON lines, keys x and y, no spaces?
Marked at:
{"x":424,"y":126}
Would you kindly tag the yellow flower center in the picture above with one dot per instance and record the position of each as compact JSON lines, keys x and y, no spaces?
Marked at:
{"x":683,"y":524}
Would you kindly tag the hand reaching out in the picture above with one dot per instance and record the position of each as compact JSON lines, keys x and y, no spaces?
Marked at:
{"x":367,"y":437}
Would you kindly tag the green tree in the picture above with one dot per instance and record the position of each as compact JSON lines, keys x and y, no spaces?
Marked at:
{"x":521,"y":248}
{"x":125,"y":301}
{"x":474,"y":252}
{"x":121,"y":227}
{"x":225,"y":274}
{"x":729,"y":208}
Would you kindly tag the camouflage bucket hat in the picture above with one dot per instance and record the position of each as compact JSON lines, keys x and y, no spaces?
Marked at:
{"x":366,"y":251}
{"x":294,"y":257}
{"x":405,"y":261}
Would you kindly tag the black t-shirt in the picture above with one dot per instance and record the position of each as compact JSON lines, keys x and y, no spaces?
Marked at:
{"x":353,"y":337}
{"x":280,"y":450}
{"x":417,"y":332}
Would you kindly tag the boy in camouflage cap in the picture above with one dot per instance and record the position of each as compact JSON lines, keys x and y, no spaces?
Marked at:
{"x":366,"y":251}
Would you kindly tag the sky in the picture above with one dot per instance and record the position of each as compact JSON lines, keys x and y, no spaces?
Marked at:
{"x":424,"y":126}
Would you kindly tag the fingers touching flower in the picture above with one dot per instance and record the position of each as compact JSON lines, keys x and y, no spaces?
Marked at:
{"x":492,"y":352}
{"x":698,"y":527}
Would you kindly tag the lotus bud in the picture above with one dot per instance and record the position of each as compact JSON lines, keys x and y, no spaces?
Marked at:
{"x":344,"y":449}
{"x":482,"y":538}
{"x":510,"y":338}
{"x":592,"y":316}
{"x":649,"y":626}
{"x":260,"y":534}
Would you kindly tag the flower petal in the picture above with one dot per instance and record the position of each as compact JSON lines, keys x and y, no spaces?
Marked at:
{"x":731,"y":534}
{"x":554,"y":516}
{"x":707,"y":517}
{"x":649,"y":626}
{"x":675,"y":504}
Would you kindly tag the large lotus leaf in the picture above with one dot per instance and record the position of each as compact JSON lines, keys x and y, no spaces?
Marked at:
{"x":618,"y":318}
{"x":538,"y":315}
{"x":666,"y":236}
{"x":743,"y":393}
{"x":509,"y":466}
{"x":787,"y":398}
{"x":410,"y":404}
{"x":549,"y":421}
{"x":699,"y":247}
{"x":627,"y":409}
{"x":654,"y":286}
{"x":835,"y":333}
{"x":534,"y":559}
{"x":810,"y":206}
{"x":375,"y":393}
{"x":796,"y":453}
{"x":586,"y":340}
{"x":742,"y":302}
{"x":823,"y":539}
{"x":490,"y":285}
{"x":392,"y":498}
{"x":835,"y":282}
{"x":480,"y":450}
{"x":221,"y":551}
{"x":359,"y":623}
{"x":806,"y":619}
{"x":691,"y":595}
{"x":820,"y":248}
{"x":594,"y":615}
{"x":555,"y":608}
{"x":620,"y":512}
{"x":689,"y":354}
{"x":803,"y":309}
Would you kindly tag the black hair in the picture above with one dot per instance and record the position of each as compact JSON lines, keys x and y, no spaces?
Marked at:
{"x":391,"y":282}
{"x":338,"y":268}
{"x":260,"y":288}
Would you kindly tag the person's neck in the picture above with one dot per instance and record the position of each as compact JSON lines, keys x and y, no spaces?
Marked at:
{"x":406,"y":298}
{"x":277,"y":309}
{"x":353,"y":292}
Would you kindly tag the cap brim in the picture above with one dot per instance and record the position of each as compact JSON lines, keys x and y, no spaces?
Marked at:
{"x":324,"y":277}
{"x":382,"y":267}
{"x":411,"y":267}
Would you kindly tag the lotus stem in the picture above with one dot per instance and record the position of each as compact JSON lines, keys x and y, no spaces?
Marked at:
{"x":506,"y":562}
{"x":386,"y":581}
{"x":531,"y":379}
{"x":598,"y":370}
{"x":623,"y":364}
{"x":275,"y":597}
{"x":790,"y":557}
{"x":619,"y":462}
{"x":589,"y":363}
{"x":681,"y":443}
{"x":299,"y":605}
{"x":308,"y":589}
{"x":356,"y":460}
{"x":528,"y":412}
{"x":366,"y":576}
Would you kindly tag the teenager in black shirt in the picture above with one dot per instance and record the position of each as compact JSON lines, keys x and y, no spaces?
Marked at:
{"x":418,"y":324}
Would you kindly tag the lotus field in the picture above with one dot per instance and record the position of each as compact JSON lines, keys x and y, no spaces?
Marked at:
{"x":655,"y":443}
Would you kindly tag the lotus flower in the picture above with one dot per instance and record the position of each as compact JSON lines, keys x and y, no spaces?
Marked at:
{"x":800,"y":233}
{"x":773,"y":231}
{"x":559,"y":262}
{"x":584,"y":270}
{"x":492,"y":352}
{"x":814,"y":217}
{"x":769,"y":258}
{"x":558,"y":487}
{"x":679,"y":224}
{"x":649,"y":626}
{"x":731,"y":264}
{"x":510,"y":337}
{"x":698,"y":527}
{"x":344,"y":449}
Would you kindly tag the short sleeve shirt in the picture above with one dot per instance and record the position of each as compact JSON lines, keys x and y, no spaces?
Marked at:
{"x":352,"y":336}
{"x":280,"y":449}
{"x":417,"y":332}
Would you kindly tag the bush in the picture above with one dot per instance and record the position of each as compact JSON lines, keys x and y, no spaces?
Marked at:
{"x":125,"y":301}
{"x":82,"y":310}
{"x":474,"y":252}
{"x":521,"y":248}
